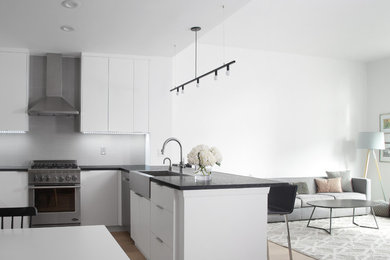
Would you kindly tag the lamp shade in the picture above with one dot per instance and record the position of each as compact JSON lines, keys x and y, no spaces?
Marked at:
{"x":371,"y":140}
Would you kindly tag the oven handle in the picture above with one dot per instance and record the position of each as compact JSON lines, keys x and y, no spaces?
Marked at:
{"x":52,"y":187}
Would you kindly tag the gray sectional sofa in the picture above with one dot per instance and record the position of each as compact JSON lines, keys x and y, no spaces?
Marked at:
{"x":302,"y":211}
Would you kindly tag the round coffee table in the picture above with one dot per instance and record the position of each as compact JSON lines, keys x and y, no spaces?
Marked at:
{"x":342,"y":204}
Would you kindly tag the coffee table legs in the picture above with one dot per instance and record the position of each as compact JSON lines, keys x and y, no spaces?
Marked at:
{"x":329,"y":231}
{"x":356,"y":224}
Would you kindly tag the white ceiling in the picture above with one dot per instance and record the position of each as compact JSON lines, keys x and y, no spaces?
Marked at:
{"x":346,"y":29}
{"x":141,"y":27}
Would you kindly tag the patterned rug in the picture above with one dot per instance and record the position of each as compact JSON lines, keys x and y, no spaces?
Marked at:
{"x":346,"y":242}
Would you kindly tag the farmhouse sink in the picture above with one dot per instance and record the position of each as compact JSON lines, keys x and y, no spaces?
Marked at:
{"x":140,"y":180}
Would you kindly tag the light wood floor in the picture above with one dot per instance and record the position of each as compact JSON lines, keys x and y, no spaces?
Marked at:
{"x":276,"y":252}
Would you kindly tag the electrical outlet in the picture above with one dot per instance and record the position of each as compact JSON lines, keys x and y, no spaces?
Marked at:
{"x":102,"y":150}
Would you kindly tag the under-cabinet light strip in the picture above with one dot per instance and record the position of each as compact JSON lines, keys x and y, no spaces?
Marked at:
{"x":12,"y":132}
{"x":112,"y":133}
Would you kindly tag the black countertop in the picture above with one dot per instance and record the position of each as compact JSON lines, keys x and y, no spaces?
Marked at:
{"x":219,"y":180}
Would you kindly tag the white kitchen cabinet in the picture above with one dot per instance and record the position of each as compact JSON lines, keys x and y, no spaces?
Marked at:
{"x":120,"y":104}
{"x":14,"y":91}
{"x":141,"y":96}
{"x":115,"y":94}
{"x":94,"y":94}
{"x":14,"y":193}
{"x":100,"y":198}
{"x":140,"y":223}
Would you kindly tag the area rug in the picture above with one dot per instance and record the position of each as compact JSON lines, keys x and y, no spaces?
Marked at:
{"x":346,"y":241}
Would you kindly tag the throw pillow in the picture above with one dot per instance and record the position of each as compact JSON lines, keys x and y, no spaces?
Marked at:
{"x":302,"y":187}
{"x":328,"y":185}
{"x":346,"y":181}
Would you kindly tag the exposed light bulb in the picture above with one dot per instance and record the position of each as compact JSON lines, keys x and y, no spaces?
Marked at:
{"x":216,"y":75}
{"x":227,"y":71}
{"x":197,"y":83}
{"x":182,"y":90}
{"x":177,"y":92}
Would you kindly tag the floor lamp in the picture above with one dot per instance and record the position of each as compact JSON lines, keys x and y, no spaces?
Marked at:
{"x":372,"y":141}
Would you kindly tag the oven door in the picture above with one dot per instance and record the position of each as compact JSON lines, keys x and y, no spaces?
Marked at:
{"x":56,"y":205}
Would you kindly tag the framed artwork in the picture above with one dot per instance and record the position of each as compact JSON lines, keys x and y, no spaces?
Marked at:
{"x":384,"y":123}
{"x":384,"y":155}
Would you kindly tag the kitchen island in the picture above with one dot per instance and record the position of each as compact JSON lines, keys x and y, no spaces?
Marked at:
{"x":182,"y":218}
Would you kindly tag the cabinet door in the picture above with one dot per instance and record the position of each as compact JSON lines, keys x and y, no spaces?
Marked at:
{"x":100,"y":201}
{"x":141,"y":96}
{"x":120,"y":107}
{"x":134,"y":216}
{"x":14,"y":193}
{"x":94,"y":94}
{"x":13,"y":91}
{"x":144,"y":223}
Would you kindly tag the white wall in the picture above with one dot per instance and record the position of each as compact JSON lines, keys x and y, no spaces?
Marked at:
{"x":276,"y":115}
{"x":378,"y":103}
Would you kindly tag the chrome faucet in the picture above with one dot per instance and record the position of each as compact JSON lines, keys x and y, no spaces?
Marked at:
{"x":181,"y":164}
{"x":170,"y":163}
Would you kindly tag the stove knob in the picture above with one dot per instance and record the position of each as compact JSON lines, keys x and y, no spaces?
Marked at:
{"x":62,"y":178}
{"x":68,"y":178}
{"x":40,"y":178}
{"x":47,"y":178}
{"x":74,"y":178}
{"x":35,"y":177}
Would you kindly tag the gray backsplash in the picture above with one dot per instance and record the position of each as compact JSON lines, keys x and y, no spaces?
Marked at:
{"x":59,"y":137}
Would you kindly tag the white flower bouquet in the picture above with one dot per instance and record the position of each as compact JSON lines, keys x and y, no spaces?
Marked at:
{"x":204,"y":157}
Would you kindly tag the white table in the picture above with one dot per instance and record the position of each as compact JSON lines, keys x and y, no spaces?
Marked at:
{"x":60,"y":243}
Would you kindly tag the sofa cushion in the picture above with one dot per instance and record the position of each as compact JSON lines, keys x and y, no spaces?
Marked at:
{"x":346,"y":181}
{"x":305,"y":198}
{"x":346,"y":195}
{"x":302,"y":187}
{"x":328,"y":185}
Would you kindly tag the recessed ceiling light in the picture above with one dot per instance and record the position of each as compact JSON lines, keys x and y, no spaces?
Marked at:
{"x":67,"y":28}
{"x":69,"y":4}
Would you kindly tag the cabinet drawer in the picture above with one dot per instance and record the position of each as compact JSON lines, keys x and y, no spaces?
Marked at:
{"x":162,"y":196}
{"x":161,"y":224}
{"x":159,"y":250}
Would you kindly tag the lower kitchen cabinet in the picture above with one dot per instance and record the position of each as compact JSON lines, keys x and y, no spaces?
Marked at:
{"x":13,"y":189}
{"x":14,"y":193}
{"x":140,"y":223}
{"x":100,"y":198}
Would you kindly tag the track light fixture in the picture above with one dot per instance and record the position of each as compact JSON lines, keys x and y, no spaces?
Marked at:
{"x":197,"y":78}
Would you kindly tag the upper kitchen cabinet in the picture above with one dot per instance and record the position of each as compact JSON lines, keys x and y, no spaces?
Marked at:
{"x":114,"y":95}
{"x":141,"y":96}
{"x":94,"y":94}
{"x":13,"y":91}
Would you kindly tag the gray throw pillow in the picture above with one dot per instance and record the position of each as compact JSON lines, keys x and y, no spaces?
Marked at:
{"x":346,"y":181}
{"x":302,"y":187}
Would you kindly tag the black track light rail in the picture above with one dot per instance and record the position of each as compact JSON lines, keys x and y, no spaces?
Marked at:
{"x":215,"y":71}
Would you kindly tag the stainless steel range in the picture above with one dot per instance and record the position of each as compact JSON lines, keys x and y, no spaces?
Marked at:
{"x":54,"y":189}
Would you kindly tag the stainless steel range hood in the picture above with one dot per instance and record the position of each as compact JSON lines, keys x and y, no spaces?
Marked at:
{"x":53,"y":104}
